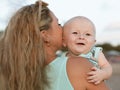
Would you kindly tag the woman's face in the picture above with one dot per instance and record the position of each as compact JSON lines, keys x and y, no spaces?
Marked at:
{"x":55,"y":33}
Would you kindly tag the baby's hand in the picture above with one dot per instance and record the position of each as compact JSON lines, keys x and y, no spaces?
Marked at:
{"x":95,"y":75}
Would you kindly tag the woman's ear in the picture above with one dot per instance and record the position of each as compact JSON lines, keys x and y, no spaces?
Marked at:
{"x":44,"y":35}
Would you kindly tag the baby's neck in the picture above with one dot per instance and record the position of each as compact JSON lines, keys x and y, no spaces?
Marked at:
{"x":70,"y":54}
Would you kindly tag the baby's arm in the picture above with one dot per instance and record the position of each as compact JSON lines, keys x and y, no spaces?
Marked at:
{"x":105,"y":66}
{"x":105,"y":71}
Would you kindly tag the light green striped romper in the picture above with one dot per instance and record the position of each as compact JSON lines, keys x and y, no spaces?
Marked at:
{"x":94,"y":52}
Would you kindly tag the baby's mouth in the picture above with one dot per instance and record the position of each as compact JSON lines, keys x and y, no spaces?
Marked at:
{"x":81,"y":43}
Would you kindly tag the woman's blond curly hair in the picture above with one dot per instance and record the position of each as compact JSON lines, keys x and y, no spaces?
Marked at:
{"x":22,"y":56}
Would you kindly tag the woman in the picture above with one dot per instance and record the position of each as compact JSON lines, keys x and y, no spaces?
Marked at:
{"x":29,"y":43}
{"x":22,"y":49}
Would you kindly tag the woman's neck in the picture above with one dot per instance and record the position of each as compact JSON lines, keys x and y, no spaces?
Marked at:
{"x":50,"y":56}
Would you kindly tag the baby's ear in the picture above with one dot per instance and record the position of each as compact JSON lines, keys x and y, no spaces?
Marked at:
{"x":95,"y":40}
{"x":64,"y":43}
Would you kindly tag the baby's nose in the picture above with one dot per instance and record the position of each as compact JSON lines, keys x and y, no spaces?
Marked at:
{"x":81,"y":36}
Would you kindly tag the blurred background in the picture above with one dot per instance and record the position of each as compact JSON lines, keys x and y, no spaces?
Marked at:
{"x":105,"y":15}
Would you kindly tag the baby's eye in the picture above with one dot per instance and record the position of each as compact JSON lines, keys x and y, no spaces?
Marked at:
{"x":74,"y":33}
{"x":88,"y":34}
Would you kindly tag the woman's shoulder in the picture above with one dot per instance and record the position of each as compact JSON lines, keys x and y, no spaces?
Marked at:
{"x":75,"y":65}
{"x":79,"y":62}
{"x":77,"y":69}
{"x":78,"y":66}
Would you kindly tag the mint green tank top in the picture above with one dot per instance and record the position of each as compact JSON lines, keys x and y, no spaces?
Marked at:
{"x":93,"y":53}
{"x":57,"y":75}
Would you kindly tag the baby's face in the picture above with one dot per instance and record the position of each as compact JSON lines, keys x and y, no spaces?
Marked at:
{"x":79,"y":36}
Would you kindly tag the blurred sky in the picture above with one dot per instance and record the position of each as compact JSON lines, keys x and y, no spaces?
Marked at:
{"x":105,"y":14}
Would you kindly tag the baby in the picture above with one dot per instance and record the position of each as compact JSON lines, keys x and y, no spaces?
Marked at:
{"x":79,"y":38}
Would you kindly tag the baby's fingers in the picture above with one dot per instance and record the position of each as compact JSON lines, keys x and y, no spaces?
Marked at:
{"x":94,"y":69}
{"x":91,"y":81}
{"x":91,"y":78}
{"x":97,"y":82}
{"x":91,"y":73}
